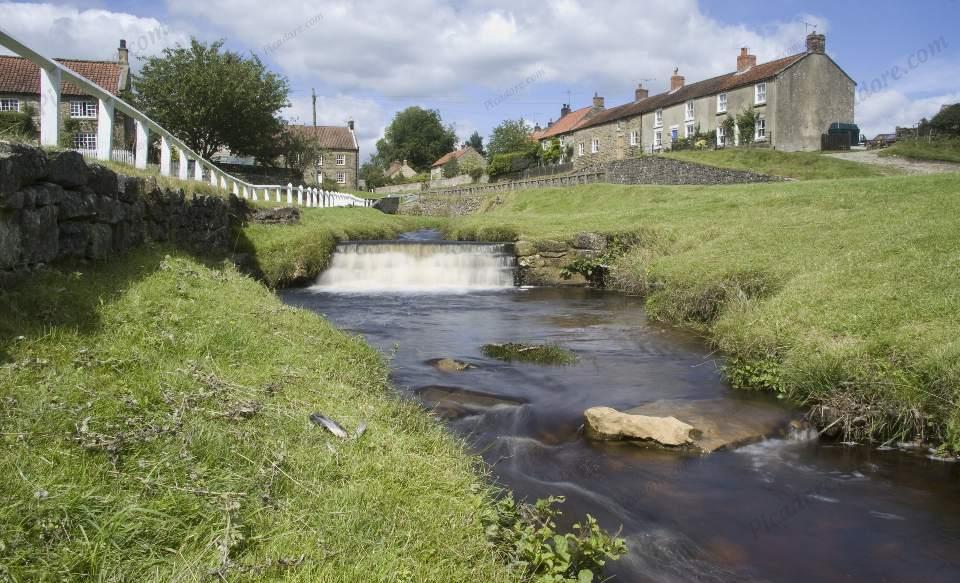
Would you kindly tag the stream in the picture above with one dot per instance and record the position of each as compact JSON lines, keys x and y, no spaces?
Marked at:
{"x":790,"y":508}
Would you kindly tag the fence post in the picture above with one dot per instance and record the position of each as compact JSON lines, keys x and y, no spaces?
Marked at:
{"x":143,"y":144}
{"x":104,"y":129}
{"x":300,"y":195}
{"x":246,"y":193}
{"x":278,"y":194}
{"x":223,"y":182}
{"x":214,"y":182}
{"x":197,"y":170}
{"x":289,"y":193}
{"x":49,"y":107}
{"x":234,"y":189}
{"x":165,"y":156}
{"x":182,"y":168}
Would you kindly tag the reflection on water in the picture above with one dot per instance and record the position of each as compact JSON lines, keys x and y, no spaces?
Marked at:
{"x":779,"y":510}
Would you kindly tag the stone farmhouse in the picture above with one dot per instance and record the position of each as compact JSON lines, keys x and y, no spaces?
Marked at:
{"x":20,"y":91}
{"x":400,"y":169}
{"x":340,"y":162}
{"x":795,"y":98}
{"x":464,"y":153}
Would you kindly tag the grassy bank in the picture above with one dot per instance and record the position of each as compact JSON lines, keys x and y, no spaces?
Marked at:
{"x":943,"y":150}
{"x":839,"y":293}
{"x":797,"y":165}
{"x":155,"y":427}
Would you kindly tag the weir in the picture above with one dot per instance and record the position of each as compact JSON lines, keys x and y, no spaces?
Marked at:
{"x":417,"y":266}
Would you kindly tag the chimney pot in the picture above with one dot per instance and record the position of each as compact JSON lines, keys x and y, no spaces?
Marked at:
{"x":597,"y":101}
{"x":676,"y":80}
{"x":816,"y":43}
{"x":565,"y":110}
{"x":350,"y":124}
{"x":745,"y":60}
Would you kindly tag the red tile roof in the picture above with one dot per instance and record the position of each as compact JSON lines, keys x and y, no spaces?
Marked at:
{"x":330,"y":137}
{"x":693,"y":91}
{"x":18,"y":75}
{"x":565,"y":124}
{"x":455,"y":155}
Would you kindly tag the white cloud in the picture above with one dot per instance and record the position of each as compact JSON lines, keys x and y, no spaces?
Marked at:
{"x":65,"y":31}
{"x":886,"y":110}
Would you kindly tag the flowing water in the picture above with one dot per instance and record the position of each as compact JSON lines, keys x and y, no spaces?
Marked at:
{"x":787,"y":509}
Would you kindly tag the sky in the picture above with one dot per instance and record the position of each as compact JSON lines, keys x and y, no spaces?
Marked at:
{"x":479,"y":63}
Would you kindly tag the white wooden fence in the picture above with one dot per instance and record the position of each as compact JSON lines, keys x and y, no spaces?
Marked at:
{"x":52,"y":74}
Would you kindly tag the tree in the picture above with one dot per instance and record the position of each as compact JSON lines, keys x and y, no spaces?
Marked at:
{"x":299,"y":151}
{"x":509,"y":137}
{"x":476,"y":142}
{"x":948,"y":120}
{"x":212,"y":98}
{"x":416,"y":135}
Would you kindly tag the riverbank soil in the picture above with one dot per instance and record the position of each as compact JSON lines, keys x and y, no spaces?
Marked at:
{"x":840,"y":295}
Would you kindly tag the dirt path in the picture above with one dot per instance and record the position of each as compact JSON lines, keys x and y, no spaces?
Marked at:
{"x":908,"y":166}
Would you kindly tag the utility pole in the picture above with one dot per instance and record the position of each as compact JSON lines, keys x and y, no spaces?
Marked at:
{"x":314,"y":107}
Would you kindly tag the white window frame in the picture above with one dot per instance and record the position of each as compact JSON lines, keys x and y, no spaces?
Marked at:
{"x":689,"y":130}
{"x":658,"y":139}
{"x":341,"y":160}
{"x":760,"y":93}
{"x":320,"y":160}
{"x":545,"y":145}
{"x":674,"y":130}
{"x":721,"y":137}
{"x":320,"y":178}
{"x":760,"y":133}
{"x":634,"y":137}
{"x":10,"y":104}
{"x":595,"y":146}
{"x":85,"y":141}
{"x":83,"y":109}
{"x":580,"y":149}
{"x":341,"y":177}
{"x":722,"y":103}
{"x":690,"y":111}
{"x":658,"y":118}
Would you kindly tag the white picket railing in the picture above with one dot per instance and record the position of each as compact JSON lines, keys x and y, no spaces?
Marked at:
{"x":52,"y":74}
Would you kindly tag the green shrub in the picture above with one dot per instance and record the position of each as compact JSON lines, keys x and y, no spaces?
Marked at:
{"x":504,"y":164}
{"x":18,"y":123}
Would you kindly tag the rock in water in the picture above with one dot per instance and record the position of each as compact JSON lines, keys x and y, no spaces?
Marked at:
{"x":604,"y":423}
{"x":450,"y":365}
{"x":455,"y":402}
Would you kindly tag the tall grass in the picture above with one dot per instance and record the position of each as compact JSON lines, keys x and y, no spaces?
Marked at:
{"x":942,"y":150}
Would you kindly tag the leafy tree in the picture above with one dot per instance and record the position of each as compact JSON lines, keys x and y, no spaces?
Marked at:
{"x":213,"y":98}
{"x":298,"y":150}
{"x":416,"y":135}
{"x":948,"y":120}
{"x":451,"y":169}
{"x":472,"y":166}
{"x":510,"y":136}
{"x":554,"y":152}
{"x":476,"y":142}
{"x":373,"y":175}
{"x":747,"y":122}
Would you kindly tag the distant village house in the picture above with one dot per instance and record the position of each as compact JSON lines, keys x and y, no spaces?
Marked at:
{"x":464,"y":154}
{"x":340,"y":162}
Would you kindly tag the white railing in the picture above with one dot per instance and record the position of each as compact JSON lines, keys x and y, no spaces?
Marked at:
{"x":52,"y":74}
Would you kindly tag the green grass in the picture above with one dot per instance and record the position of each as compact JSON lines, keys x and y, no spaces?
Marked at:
{"x":839,"y":292}
{"x":155,"y":427}
{"x":797,"y":165}
{"x":295,"y":253}
{"x":533,"y":353}
{"x":943,"y":150}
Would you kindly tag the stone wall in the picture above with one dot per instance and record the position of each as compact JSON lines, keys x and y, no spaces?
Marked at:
{"x":541,"y":263}
{"x":412,"y":188}
{"x":662,"y":170}
{"x":463,"y":179}
{"x":56,"y":207}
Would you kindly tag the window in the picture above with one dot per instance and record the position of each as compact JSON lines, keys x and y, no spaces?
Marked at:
{"x":594,"y":145}
{"x":761,"y":129}
{"x":658,"y":139}
{"x":320,"y":160}
{"x":721,"y":137}
{"x":674,"y":134}
{"x":722,"y":103}
{"x":83,"y":109}
{"x":9,"y":105}
{"x":341,"y":177}
{"x":634,"y":137}
{"x":761,"y":93}
{"x":689,"y":131}
{"x":690,"y":111}
{"x":580,"y":149}
{"x":658,"y":118}
{"x":320,"y":178}
{"x":545,"y":145}
{"x":341,"y":159}
{"x":85,"y":141}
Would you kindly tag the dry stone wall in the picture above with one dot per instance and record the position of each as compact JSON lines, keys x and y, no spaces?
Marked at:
{"x":55,"y":207}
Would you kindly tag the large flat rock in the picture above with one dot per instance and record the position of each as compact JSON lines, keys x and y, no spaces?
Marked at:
{"x":722,"y":423}
{"x":604,"y":424}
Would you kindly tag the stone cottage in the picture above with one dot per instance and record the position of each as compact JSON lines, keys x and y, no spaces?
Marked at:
{"x":20,"y":91}
{"x":400,"y":169}
{"x":795,"y":99}
{"x":566,"y":124}
{"x":465,"y":153}
{"x":339,"y":163}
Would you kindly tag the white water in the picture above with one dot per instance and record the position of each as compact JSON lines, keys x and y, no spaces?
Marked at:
{"x":408,"y":267}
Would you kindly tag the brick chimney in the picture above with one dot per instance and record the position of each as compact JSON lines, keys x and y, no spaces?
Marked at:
{"x":565,"y":110}
{"x":745,"y":60}
{"x":676,"y":80}
{"x":123,"y":54}
{"x":640,"y":93}
{"x":816,"y":43}
{"x":350,"y":124}
{"x":597,"y":101}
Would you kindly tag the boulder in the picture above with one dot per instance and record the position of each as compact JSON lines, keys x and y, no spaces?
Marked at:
{"x":276,"y":216}
{"x":68,"y":169}
{"x":129,"y":188}
{"x":450,"y":365}
{"x":20,"y":165}
{"x":103,"y":181}
{"x":606,"y":424}
{"x":39,"y":234}
{"x":551,"y":246}
{"x":590,"y":241}
{"x":525,"y":249}
{"x":43,"y":194}
{"x":723,"y":423}
{"x":78,"y":205}
{"x":455,"y":402}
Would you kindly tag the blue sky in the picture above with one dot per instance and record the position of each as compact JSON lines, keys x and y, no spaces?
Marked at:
{"x":481,"y":62}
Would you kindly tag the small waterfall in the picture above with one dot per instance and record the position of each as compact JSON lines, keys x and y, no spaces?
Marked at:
{"x":416,"y":266}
